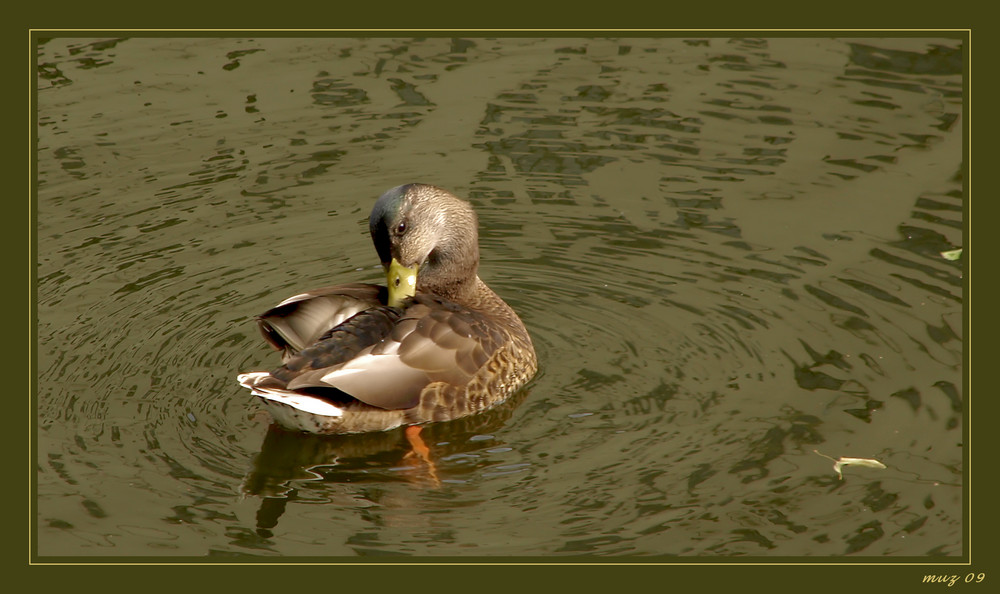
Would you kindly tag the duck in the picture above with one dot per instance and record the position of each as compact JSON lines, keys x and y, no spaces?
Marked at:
{"x":433,"y":344}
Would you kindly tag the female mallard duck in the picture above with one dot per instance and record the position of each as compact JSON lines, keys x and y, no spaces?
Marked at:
{"x":435,"y":344}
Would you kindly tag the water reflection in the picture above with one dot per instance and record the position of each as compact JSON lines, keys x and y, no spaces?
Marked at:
{"x":297,"y":468}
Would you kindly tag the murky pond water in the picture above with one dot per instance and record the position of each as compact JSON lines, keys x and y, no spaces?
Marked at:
{"x":728,"y":252}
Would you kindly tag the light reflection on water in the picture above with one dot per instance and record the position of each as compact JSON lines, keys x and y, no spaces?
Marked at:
{"x":727,"y":251}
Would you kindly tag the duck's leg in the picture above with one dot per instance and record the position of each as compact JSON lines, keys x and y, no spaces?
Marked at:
{"x":420,"y":449}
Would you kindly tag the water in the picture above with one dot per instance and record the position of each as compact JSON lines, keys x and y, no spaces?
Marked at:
{"x":728,"y":252}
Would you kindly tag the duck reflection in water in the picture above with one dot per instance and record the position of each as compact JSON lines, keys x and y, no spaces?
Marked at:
{"x":290,"y":462}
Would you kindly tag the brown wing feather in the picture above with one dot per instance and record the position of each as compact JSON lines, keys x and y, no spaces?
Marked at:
{"x":304,"y":319}
{"x":449,"y":343}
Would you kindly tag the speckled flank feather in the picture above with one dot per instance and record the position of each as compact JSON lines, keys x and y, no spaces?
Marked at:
{"x":355,"y":364}
{"x":501,"y":376}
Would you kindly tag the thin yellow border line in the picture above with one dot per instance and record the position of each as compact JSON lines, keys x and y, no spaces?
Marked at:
{"x":967,"y":131}
{"x":32,"y":279}
{"x":363,"y":30}
{"x":420,"y":561}
{"x":967,"y":298}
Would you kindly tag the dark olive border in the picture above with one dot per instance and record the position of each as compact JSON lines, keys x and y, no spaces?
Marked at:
{"x":784,"y":19}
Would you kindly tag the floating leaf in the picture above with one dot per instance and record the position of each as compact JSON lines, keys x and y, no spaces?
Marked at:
{"x":952,"y":254}
{"x":841,"y":462}
{"x":868,"y":462}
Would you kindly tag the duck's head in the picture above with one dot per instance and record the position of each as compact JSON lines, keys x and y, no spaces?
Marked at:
{"x":427,"y":240}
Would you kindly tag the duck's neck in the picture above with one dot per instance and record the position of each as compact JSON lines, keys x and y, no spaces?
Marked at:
{"x":477,"y":295}
{"x":486,"y":300}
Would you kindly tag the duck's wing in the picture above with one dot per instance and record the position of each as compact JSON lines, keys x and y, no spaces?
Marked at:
{"x":304,"y":381}
{"x":304,"y":319}
{"x":432,"y":341}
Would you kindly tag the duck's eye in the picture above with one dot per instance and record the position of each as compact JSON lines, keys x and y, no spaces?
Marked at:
{"x":401,"y":228}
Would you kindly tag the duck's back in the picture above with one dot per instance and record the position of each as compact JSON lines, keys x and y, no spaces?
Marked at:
{"x":432,"y":357}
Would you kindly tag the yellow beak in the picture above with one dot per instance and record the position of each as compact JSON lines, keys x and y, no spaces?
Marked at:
{"x":402,"y":282}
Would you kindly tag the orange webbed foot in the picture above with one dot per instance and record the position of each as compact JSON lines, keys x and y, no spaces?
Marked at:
{"x":419,"y":448}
